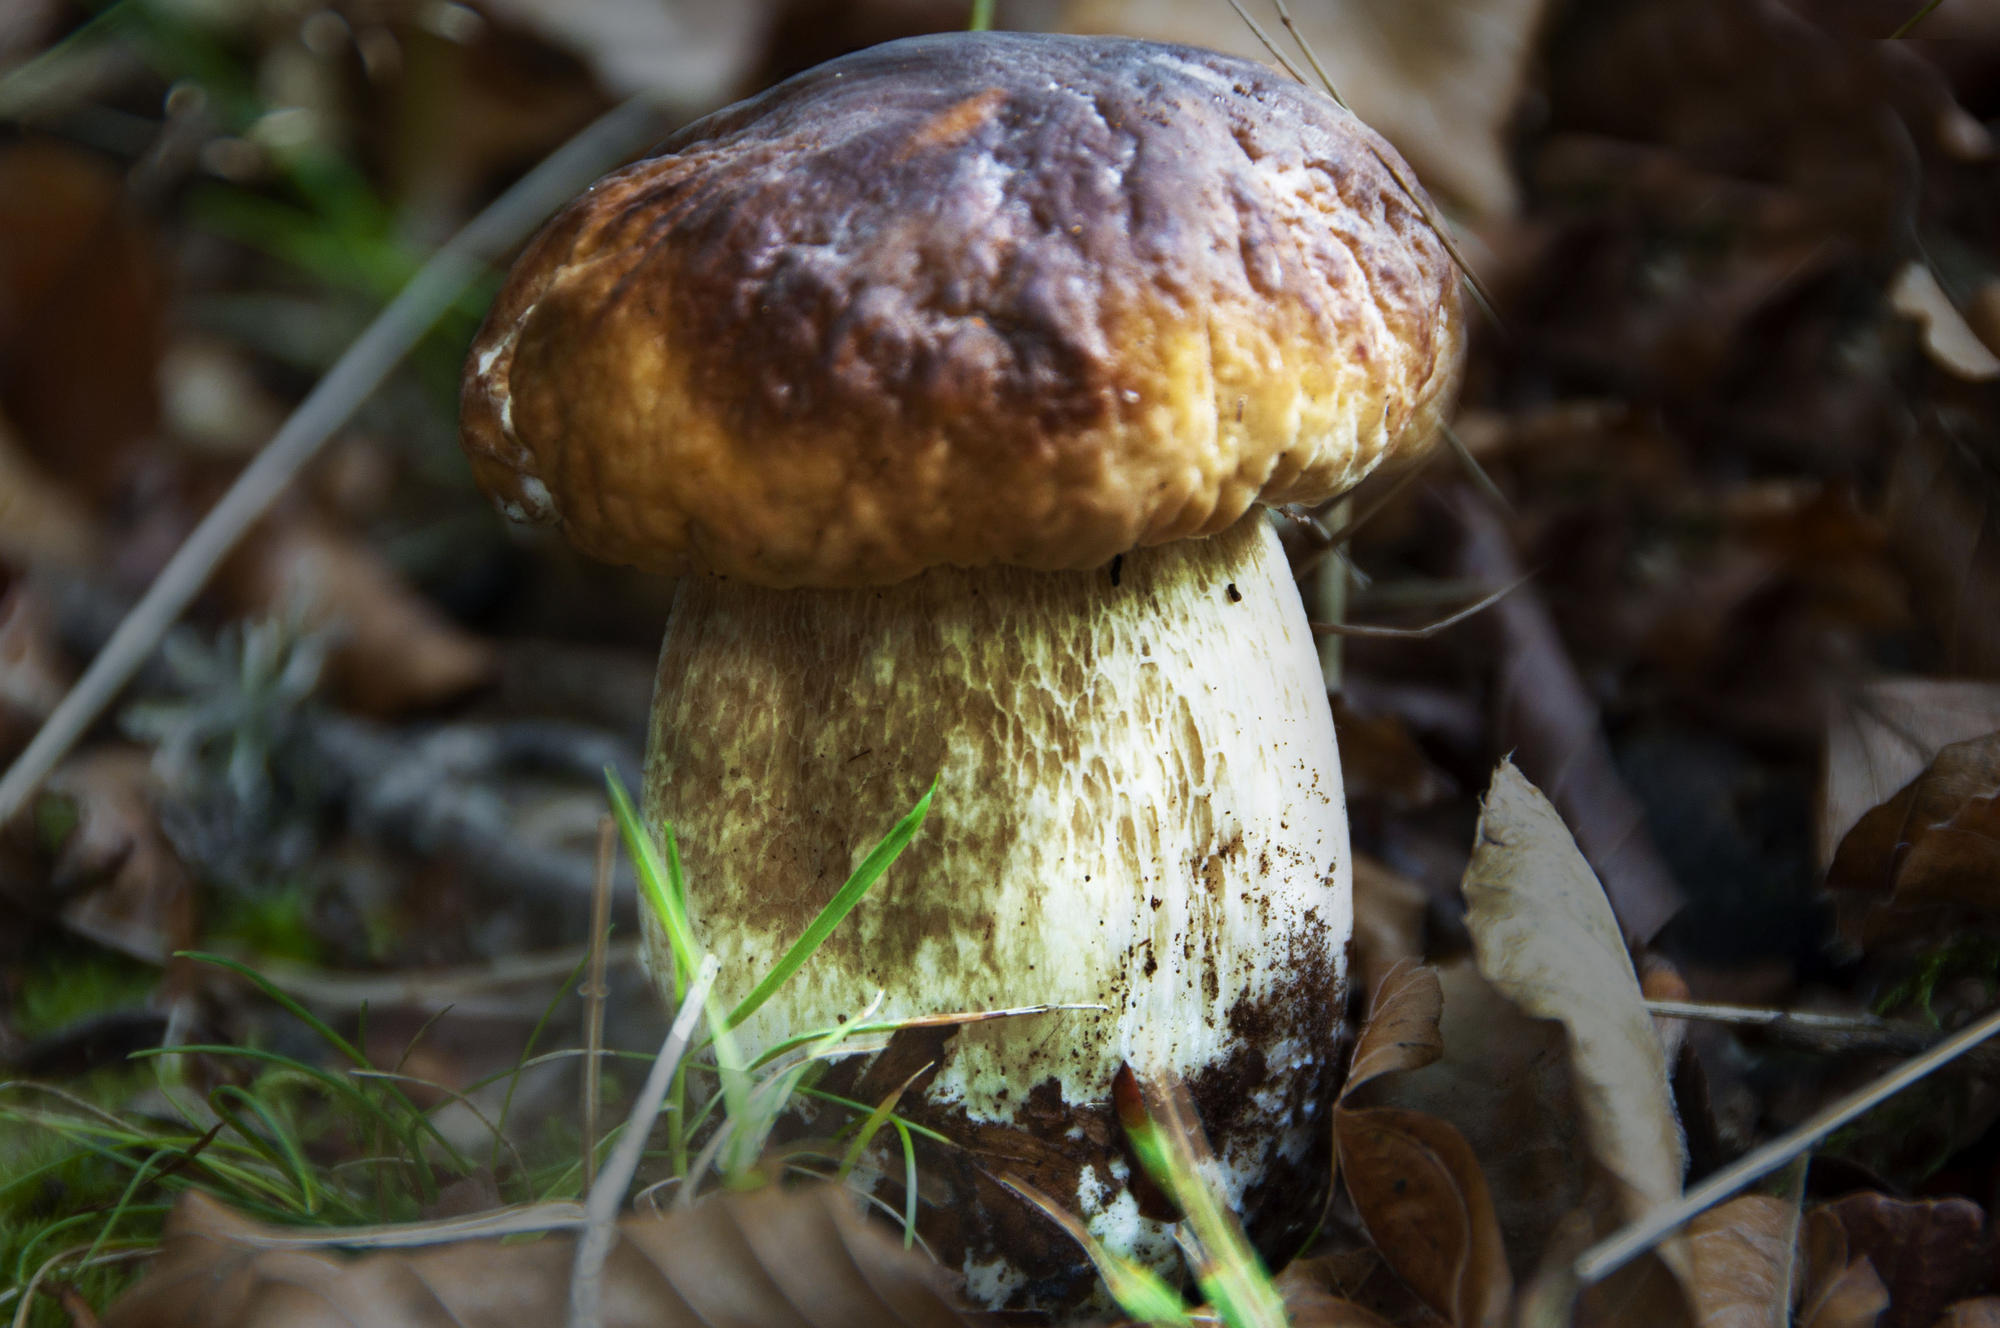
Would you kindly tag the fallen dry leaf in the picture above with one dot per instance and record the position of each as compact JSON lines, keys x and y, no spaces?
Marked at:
{"x":1838,"y":1289}
{"x":33,"y":676}
{"x":1981,"y":1313}
{"x":120,"y":881}
{"x":81,"y":315}
{"x":1929,"y":1253}
{"x":40,"y":521}
{"x":1424,"y":1200}
{"x":1948,"y":339}
{"x":1389,"y":913}
{"x":1504,"y":1083}
{"x":1438,"y":78}
{"x":1741,"y":1255}
{"x":1885,"y":736}
{"x":767,"y":1257}
{"x":394,"y":652}
{"x":1402,"y":1028}
{"x":1414,"y":1180}
{"x":1934,"y":845}
{"x":1544,"y":935}
{"x":1944,"y":523}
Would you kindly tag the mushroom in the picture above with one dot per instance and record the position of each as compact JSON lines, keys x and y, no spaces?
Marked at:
{"x":948,"y":378}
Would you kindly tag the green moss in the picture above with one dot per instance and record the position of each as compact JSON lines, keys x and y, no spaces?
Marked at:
{"x":65,"y":981}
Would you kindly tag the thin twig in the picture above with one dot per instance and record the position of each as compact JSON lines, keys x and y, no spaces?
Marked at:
{"x":1312,"y":56}
{"x":1265,"y":37}
{"x":358,"y":373}
{"x":594,"y":992}
{"x":1756,"y":1017}
{"x":1428,"y":630}
{"x":1333,"y":539}
{"x":1614,"y":1252}
{"x":1909,"y":24}
{"x":1473,"y":469}
{"x":593,"y":1247}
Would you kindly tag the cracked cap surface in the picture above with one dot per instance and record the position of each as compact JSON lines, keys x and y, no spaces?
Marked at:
{"x":967,"y":299}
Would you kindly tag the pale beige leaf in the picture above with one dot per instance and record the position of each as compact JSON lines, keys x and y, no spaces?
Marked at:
{"x":1742,"y":1256}
{"x":1544,"y":934}
{"x":1981,"y":1313}
{"x":1438,"y":78}
{"x":1948,"y":338}
{"x":799,"y":1259}
{"x":1402,"y":1028}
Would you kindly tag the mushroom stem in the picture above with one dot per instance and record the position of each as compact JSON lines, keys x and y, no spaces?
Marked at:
{"x":1139,"y":805}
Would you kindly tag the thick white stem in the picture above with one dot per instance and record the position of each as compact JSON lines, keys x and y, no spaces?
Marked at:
{"x":1139,"y":805}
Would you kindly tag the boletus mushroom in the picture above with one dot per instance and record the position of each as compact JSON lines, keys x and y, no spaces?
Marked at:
{"x":948,"y":377}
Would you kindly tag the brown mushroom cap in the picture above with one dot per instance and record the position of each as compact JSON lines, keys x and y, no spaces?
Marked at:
{"x":967,"y":299}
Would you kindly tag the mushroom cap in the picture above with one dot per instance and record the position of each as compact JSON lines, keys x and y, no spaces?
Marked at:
{"x":967,"y":299}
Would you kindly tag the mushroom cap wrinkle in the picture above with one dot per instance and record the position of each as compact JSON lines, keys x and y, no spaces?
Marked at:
{"x":948,"y":377}
{"x":965,"y":300}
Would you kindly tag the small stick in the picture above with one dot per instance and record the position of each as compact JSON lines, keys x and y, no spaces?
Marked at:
{"x":1257,"y":30}
{"x":1614,"y":1252}
{"x":1473,"y":469}
{"x":594,"y":991}
{"x":1428,"y":630}
{"x":358,"y":373}
{"x":600,"y":1208}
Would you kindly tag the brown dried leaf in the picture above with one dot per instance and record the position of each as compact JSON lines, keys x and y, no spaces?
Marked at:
{"x":1425,"y":1202}
{"x":124,"y":886}
{"x":1884,"y":738}
{"x":1944,"y":524}
{"x":1544,"y":934}
{"x":1928,"y":1253}
{"x":81,"y":315}
{"x":40,"y":521}
{"x":1504,"y":1083}
{"x":1981,"y":1313}
{"x":1379,"y":758}
{"x":1742,"y":1256}
{"x":1936,"y":844}
{"x":767,"y":1258}
{"x":1438,"y":78}
{"x":33,"y":677}
{"x":1402,"y":1028}
{"x":395,"y":651}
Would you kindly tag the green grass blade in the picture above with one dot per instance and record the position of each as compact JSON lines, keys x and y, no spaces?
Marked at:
{"x":296,"y":1010}
{"x":661,"y":884}
{"x":837,"y":908}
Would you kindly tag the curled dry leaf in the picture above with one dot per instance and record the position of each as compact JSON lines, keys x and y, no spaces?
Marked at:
{"x":802,"y":1259}
{"x":1943,"y":507}
{"x":1983,"y":1312}
{"x":1928,"y":1253}
{"x":1414,"y":1179}
{"x":1934,"y":845}
{"x":1504,"y":1083}
{"x":33,"y":676}
{"x":1884,"y":737}
{"x":1948,"y":339}
{"x":1543,"y":933}
{"x":122,"y":884}
{"x":395,"y":652}
{"x":1742,"y":1255}
{"x":1402,"y":1029}
{"x":1425,"y":1203}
